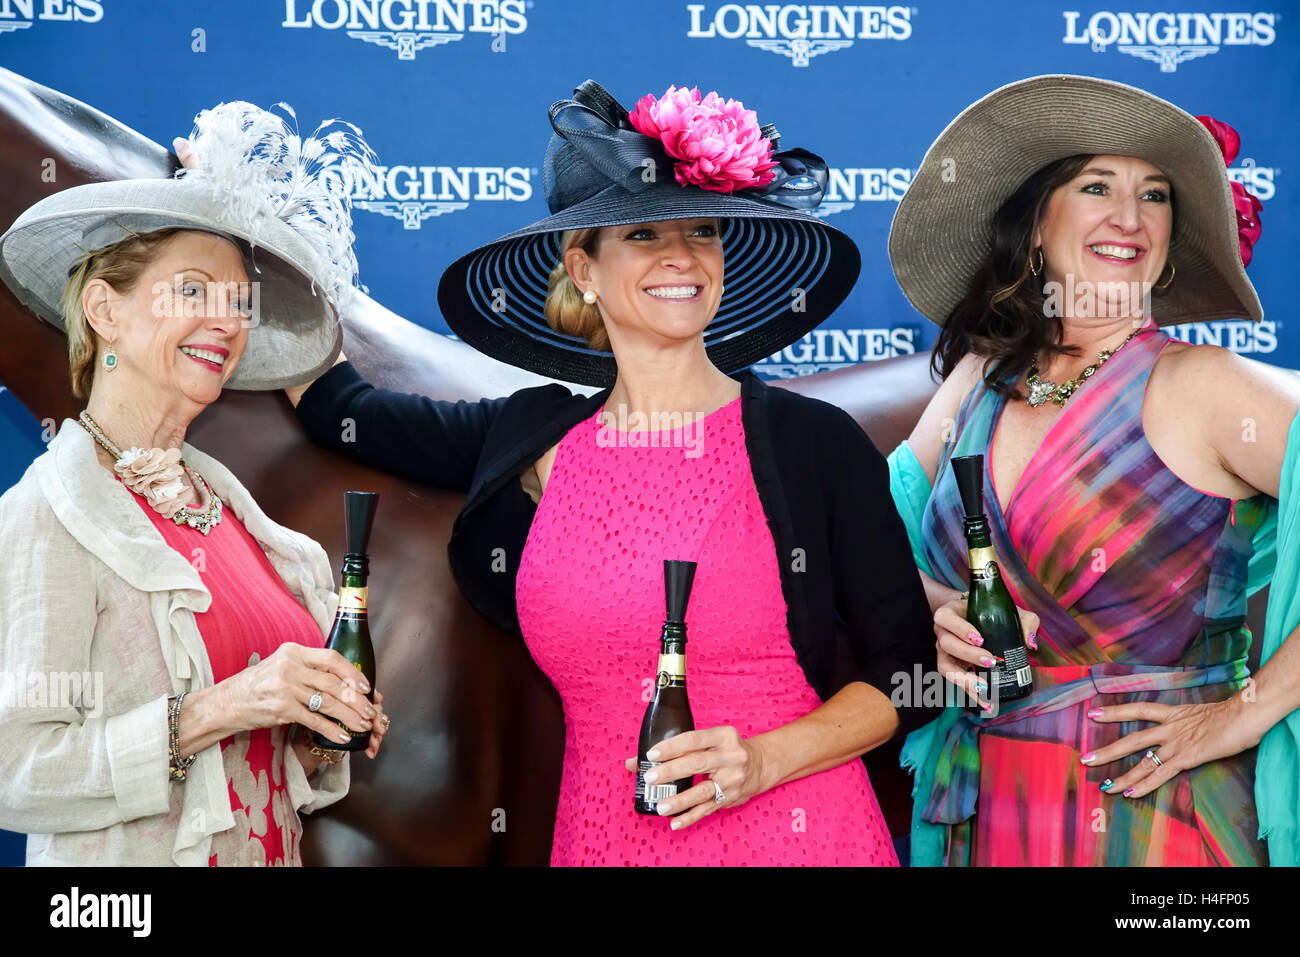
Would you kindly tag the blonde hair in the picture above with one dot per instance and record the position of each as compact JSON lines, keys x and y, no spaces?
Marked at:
{"x":566,"y":311}
{"x":119,"y":265}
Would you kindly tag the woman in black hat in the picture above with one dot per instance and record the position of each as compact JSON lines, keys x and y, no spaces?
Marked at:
{"x":574,"y":502}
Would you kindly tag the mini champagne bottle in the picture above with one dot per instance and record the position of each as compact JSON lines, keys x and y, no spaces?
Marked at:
{"x":669,"y":712}
{"x":990,"y":608}
{"x":350,"y":635}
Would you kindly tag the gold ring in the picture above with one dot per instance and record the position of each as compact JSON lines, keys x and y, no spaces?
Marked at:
{"x":384,"y":718}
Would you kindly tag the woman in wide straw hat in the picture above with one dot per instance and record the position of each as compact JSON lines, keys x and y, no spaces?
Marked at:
{"x":1131,"y":484}
{"x":194,"y":621}
{"x":575,"y":502}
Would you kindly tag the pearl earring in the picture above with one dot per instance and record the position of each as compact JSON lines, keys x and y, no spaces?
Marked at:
{"x":589,"y":297}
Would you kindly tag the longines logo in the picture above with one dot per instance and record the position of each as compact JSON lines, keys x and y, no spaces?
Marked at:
{"x":408,"y":26}
{"x":20,"y":14}
{"x":799,"y":31}
{"x":1257,"y":179}
{"x":413,"y":194}
{"x":825,"y":349}
{"x":850,"y":185}
{"x":1242,"y":336}
{"x":1169,"y":38}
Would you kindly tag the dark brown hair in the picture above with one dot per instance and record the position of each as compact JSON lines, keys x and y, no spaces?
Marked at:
{"x":1001,"y":316}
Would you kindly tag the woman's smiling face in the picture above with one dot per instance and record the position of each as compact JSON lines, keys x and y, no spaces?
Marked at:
{"x":1110,"y":224}
{"x":660,"y":281}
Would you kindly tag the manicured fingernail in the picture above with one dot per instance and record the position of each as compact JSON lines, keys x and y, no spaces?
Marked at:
{"x":1129,"y":792}
{"x":652,"y":754}
{"x":1095,"y":713}
{"x":1087,"y":758}
{"x":663,"y":807}
{"x":651,"y":777}
{"x":982,"y":687}
{"x":986,"y":661}
{"x":342,"y":737}
{"x":1107,"y":784}
{"x":986,"y":705}
{"x":975,"y":639}
{"x":1032,"y":640}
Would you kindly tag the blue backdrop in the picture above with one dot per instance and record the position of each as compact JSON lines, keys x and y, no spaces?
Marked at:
{"x":452,"y":95}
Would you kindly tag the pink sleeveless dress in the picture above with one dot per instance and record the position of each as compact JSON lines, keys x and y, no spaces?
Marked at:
{"x":590,"y":593}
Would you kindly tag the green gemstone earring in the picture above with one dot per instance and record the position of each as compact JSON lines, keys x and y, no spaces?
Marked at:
{"x":110,"y":359}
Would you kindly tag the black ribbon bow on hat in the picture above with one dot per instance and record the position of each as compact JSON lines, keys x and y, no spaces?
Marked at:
{"x":597,"y":126}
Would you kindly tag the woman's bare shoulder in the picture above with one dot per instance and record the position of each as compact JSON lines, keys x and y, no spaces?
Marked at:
{"x":935,"y":425}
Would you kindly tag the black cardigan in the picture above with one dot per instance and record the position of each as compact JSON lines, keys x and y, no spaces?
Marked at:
{"x":846,"y":566}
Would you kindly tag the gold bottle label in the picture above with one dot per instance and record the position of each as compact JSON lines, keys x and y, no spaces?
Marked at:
{"x":983,"y":564}
{"x":672,"y":670}
{"x":351,"y":602}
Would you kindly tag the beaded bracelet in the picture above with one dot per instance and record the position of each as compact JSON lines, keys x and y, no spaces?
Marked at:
{"x":178,"y":767}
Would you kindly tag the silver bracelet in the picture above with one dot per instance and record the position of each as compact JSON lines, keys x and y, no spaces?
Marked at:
{"x":178,"y":767}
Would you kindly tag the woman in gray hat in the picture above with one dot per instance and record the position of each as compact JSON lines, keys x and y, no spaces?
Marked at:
{"x":162,"y":644}
{"x":1051,"y":230}
{"x":574,"y":502}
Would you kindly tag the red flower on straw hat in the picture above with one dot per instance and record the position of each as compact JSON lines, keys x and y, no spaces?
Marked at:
{"x":718,"y":143}
{"x":1247,"y":204}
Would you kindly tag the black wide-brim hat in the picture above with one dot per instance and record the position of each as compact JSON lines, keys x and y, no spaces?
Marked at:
{"x":786,"y":270}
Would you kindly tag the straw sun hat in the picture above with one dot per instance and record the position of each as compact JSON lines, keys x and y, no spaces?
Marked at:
{"x":942,"y":229}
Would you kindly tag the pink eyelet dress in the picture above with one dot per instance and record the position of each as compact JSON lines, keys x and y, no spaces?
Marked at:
{"x":590,"y":594}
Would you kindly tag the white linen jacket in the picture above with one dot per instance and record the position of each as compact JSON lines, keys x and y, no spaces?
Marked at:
{"x":97,"y":629}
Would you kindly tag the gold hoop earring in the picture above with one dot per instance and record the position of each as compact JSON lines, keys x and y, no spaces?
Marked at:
{"x":1030,"y":262}
{"x":110,"y":359}
{"x":1162,"y":287}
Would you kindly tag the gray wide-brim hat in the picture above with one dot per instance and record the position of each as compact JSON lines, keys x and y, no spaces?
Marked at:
{"x":785,"y":269}
{"x":296,"y":334}
{"x":942,"y":230}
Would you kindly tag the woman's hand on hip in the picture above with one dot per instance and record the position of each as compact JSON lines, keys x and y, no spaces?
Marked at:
{"x":959,"y":649}
{"x":279,"y":690}
{"x":720,"y":754}
{"x":1184,"y":736}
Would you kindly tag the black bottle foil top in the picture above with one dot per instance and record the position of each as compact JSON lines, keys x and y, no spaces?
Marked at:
{"x":678,"y":577}
{"x":969,"y":472}
{"x":359,"y":515}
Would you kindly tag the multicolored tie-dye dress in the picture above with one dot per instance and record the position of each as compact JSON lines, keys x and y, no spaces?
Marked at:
{"x":1140,"y":582}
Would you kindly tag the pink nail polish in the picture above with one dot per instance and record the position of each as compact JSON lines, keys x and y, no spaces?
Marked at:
{"x":1087,"y":758}
{"x":1129,"y":792}
{"x":1095,"y":713}
{"x":986,"y":661}
{"x":975,"y":639}
{"x":1032,"y":642}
